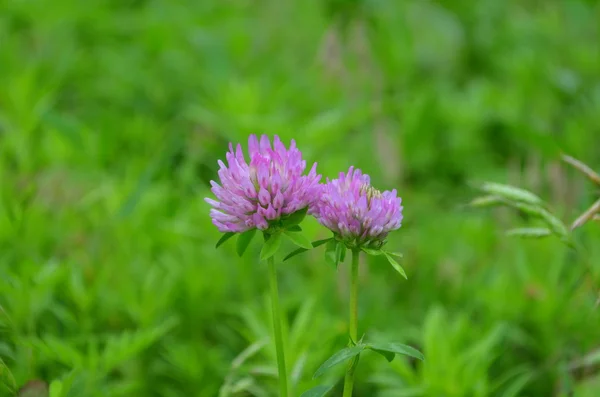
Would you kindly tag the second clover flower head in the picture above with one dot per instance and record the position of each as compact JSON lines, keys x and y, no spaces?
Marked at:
{"x":356,"y":212}
{"x":255,"y":194}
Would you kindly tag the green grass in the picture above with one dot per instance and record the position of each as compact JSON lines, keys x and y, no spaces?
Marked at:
{"x":113,"y":115}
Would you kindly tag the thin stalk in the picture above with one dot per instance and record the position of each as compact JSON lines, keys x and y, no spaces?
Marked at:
{"x":283,"y":388}
{"x":353,"y":328}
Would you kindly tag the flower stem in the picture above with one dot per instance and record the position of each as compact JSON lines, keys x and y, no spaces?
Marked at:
{"x":353,"y":328}
{"x":283,"y":388}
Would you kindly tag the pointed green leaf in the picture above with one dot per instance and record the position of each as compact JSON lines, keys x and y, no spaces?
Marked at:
{"x":318,"y":243}
{"x":317,"y":391}
{"x":335,"y":251}
{"x":314,"y":244}
{"x":373,"y":252}
{"x":339,"y":357}
{"x":330,"y":251}
{"x":244,"y":240}
{"x":529,"y":232}
{"x":294,"y":253}
{"x":271,"y":246}
{"x":295,"y":218}
{"x":398,"y":254}
{"x":299,"y":239}
{"x":224,"y":238}
{"x":396,"y":265}
{"x":389,"y":356}
{"x":340,"y":253}
{"x":294,"y":228}
{"x":397,"y":348}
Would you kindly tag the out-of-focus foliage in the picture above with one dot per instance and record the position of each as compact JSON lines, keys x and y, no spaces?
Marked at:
{"x":114,"y":113}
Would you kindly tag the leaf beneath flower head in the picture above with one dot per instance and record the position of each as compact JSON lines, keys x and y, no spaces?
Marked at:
{"x":224,"y":238}
{"x":314,"y":244}
{"x":294,"y":228}
{"x":330,"y":251}
{"x":295,"y":218}
{"x":271,"y":246}
{"x":318,"y":243}
{"x":317,"y":391}
{"x":299,"y":239}
{"x":340,"y":253}
{"x":373,"y":252}
{"x":395,"y":265}
{"x":244,"y":240}
{"x":335,"y":252}
{"x":343,"y":254}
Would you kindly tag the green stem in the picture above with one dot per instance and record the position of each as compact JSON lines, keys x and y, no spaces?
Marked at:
{"x":283,"y":388}
{"x":353,"y":328}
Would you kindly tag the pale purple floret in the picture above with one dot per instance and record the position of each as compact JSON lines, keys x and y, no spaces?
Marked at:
{"x":271,"y":186}
{"x":356,"y":212}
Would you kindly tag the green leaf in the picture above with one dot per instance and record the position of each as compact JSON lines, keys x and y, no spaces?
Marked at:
{"x":340,"y":252}
{"x":343,"y":253}
{"x":511,"y":193}
{"x":318,"y":243}
{"x":373,"y":252}
{"x":244,"y":240}
{"x":330,"y":252}
{"x":314,"y":244}
{"x":224,"y":238}
{"x":530,"y":232}
{"x":294,"y":253}
{"x":295,"y":218}
{"x":398,"y":254}
{"x":396,"y":348}
{"x":317,"y":391}
{"x":299,"y":239}
{"x":271,"y":246}
{"x":389,"y":356}
{"x":294,"y":228}
{"x":335,"y":252}
{"x":339,"y":357}
{"x":395,"y":264}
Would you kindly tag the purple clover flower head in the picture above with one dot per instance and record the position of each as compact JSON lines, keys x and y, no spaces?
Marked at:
{"x":271,"y":186}
{"x":356,"y":212}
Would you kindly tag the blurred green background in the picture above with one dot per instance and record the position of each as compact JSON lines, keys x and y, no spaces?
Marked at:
{"x":114,"y":113}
